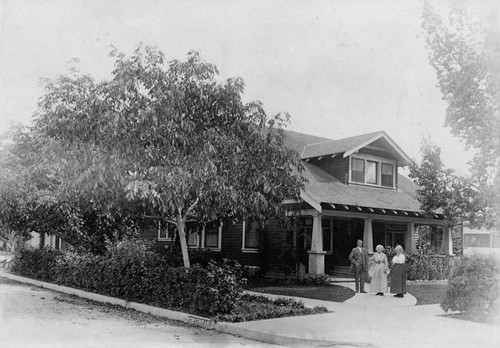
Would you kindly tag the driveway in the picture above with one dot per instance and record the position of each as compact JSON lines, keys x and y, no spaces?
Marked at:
{"x":35,"y":317}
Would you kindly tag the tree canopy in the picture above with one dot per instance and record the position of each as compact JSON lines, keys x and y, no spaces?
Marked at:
{"x":464,"y":51}
{"x":169,"y":137}
{"x":440,"y":190}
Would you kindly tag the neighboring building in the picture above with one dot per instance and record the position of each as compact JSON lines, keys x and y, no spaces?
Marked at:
{"x":353,"y":192}
{"x":51,"y":241}
{"x":480,"y":241}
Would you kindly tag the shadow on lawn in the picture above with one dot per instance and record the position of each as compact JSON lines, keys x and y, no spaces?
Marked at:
{"x":330,"y":292}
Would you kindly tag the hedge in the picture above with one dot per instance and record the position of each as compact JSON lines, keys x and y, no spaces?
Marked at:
{"x":424,"y":265}
{"x":130,"y":271}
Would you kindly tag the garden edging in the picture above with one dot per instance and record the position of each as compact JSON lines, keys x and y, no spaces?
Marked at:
{"x":207,"y":323}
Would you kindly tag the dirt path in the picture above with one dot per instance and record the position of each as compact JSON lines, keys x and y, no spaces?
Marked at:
{"x":35,"y":317}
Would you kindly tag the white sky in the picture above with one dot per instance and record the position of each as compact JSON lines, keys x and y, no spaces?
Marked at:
{"x":339,"y":67}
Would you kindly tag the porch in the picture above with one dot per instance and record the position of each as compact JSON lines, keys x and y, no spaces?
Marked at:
{"x":327,"y":237}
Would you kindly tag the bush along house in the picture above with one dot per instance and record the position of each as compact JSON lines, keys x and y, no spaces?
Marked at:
{"x":353,"y":192}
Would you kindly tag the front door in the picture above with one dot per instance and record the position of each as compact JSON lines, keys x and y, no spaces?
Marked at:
{"x":345,"y":234}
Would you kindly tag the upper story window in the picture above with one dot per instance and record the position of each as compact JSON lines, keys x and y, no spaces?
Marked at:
{"x":372,"y":171}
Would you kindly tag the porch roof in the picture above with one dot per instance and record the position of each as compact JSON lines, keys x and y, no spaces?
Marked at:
{"x":325,"y":188}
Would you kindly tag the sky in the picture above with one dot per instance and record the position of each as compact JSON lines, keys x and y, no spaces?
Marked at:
{"x":338,"y":67}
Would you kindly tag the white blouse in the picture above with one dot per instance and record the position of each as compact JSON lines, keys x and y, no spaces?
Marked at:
{"x":401,"y":259}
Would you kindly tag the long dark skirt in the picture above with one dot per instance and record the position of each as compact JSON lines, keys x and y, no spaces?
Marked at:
{"x":398,"y":279}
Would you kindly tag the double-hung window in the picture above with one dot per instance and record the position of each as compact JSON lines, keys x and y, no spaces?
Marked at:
{"x":251,"y":234}
{"x":208,"y":236}
{"x":372,"y":171}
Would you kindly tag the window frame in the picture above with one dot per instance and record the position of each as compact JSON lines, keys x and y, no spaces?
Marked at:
{"x":244,"y":248}
{"x":166,"y":238}
{"x":219,"y":238}
{"x":201,"y":240}
{"x":379,"y":162}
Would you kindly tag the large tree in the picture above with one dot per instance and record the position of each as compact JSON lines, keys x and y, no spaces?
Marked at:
{"x":172,"y":137}
{"x":464,"y":50}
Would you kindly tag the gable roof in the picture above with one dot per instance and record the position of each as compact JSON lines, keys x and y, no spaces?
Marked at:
{"x":350,"y":145}
{"x":325,"y":188}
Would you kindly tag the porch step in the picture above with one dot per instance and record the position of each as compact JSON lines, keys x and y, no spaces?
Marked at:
{"x":333,"y":280}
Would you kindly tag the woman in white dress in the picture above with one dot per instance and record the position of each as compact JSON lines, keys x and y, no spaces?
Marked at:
{"x":379,"y":267}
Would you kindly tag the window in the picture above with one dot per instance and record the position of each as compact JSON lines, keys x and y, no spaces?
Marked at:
{"x":166,"y":232}
{"x":193,"y":237}
{"x":251,"y":231}
{"x":387,"y":175}
{"x":371,"y":171}
{"x":212,"y":235}
{"x":358,"y":170}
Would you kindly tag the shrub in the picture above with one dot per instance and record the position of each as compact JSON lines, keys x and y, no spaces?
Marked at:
{"x":422,"y":266}
{"x":35,"y":263}
{"x":253,"y":307}
{"x":314,"y":279}
{"x":473,"y":286}
{"x":129,"y":270}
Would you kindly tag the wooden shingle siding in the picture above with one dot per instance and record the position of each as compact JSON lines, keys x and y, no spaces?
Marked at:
{"x":338,"y":167}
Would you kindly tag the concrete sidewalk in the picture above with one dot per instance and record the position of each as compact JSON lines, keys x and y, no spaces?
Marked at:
{"x":365,"y":320}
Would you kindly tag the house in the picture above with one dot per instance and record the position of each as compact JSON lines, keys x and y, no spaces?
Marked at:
{"x":480,"y":241}
{"x":354,"y":191}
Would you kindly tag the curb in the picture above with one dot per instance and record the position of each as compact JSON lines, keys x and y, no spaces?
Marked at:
{"x":207,"y":323}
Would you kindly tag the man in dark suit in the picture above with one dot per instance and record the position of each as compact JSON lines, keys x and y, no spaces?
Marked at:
{"x":359,"y":260}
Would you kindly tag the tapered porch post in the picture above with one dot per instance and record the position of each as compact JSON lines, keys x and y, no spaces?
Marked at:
{"x":316,"y":254}
{"x":447,"y":247}
{"x":410,"y":237}
{"x":368,"y":236}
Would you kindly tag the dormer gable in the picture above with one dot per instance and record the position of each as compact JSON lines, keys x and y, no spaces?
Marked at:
{"x":377,"y":144}
{"x":369,"y":159}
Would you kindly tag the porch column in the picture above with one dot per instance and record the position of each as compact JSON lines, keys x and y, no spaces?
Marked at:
{"x":368,"y":236}
{"x":316,"y":254}
{"x":410,"y":237}
{"x":447,"y":247}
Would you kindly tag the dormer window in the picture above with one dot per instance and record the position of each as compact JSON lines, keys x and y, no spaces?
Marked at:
{"x":368,"y":170}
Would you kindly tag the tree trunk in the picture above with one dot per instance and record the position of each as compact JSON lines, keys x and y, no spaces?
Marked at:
{"x":181,"y":227}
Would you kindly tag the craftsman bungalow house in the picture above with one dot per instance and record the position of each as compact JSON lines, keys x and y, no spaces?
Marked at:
{"x":353,"y":192}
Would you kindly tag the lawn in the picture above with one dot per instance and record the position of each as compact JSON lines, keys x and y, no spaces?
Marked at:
{"x":333,"y":293}
{"x":427,"y":292}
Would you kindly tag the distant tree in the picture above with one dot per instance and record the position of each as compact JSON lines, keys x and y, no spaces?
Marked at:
{"x":172,"y":138}
{"x":440,"y":190}
{"x":464,"y":49}
{"x":34,"y":197}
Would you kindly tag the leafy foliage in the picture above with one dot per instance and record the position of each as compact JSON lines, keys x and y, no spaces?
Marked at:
{"x":440,"y":190}
{"x":314,"y":279}
{"x":423,"y":264}
{"x":129,"y":270}
{"x":463,"y":50}
{"x":170,"y":137}
{"x":253,"y":307}
{"x":474,"y":287}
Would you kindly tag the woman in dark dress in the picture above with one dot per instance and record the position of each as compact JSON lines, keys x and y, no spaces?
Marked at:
{"x":398,"y":279}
